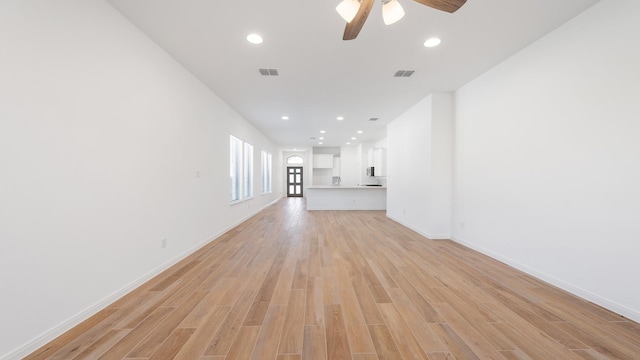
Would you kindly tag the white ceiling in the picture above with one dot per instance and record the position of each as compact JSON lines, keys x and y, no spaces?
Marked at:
{"x":322,"y":76}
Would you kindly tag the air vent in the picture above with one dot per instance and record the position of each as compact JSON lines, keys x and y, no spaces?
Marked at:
{"x":404,"y":73}
{"x":373,"y":119}
{"x":268,"y":72}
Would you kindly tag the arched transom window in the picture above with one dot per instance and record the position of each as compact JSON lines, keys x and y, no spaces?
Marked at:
{"x":295,"y":160}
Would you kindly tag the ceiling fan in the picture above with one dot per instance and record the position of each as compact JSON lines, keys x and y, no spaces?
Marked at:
{"x":355,"y":12}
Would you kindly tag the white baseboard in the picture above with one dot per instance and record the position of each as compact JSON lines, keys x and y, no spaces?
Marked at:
{"x":571,"y":288}
{"x":68,"y":324}
{"x":427,"y":235}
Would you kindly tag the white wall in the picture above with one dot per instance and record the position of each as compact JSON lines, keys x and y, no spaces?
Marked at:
{"x":102,"y":139}
{"x":547,"y":158}
{"x":419,"y":158}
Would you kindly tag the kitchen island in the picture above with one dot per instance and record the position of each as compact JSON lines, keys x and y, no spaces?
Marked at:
{"x":337,"y":197}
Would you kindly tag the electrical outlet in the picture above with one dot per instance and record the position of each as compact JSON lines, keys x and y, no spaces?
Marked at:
{"x":164,"y":243}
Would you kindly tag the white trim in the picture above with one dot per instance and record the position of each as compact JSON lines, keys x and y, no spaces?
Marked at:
{"x":68,"y":324}
{"x":573,"y":289}
{"x":236,"y":202}
{"x":427,"y":235}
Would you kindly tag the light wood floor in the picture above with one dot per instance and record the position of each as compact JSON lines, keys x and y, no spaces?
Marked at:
{"x":291,"y":284}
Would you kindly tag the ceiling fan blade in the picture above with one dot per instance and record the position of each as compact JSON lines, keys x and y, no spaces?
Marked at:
{"x":353,"y":28}
{"x":449,"y":6}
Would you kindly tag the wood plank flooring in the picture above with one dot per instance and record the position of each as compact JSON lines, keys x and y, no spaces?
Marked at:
{"x":292,"y":284}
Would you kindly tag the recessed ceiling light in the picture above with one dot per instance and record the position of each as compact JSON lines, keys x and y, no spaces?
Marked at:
{"x":254,"y":39}
{"x":432,"y":42}
{"x":348,"y":143}
{"x":340,"y":118}
{"x":322,"y":131}
{"x":285,"y":118}
{"x":320,"y":143}
{"x":353,"y":138}
{"x":321,"y":138}
{"x":360,"y":131}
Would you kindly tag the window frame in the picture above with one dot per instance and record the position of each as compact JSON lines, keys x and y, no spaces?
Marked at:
{"x":266,"y":172}
{"x":235,"y":169}
{"x":247,"y":163}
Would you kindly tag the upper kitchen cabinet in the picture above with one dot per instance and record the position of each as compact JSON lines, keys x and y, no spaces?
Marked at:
{"x":323,"y":161}
{"x":336,"y":166}
{"x":378,"y":159}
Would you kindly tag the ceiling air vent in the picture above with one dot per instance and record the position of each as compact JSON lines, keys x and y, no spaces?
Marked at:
{"x":373,"y":119}
{"x":268,"y":72}
{"x":404,"y":73}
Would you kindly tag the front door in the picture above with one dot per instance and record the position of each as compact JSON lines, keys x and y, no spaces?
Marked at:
{"x":294,"y":181}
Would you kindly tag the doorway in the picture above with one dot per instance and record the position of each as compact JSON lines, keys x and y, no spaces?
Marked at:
{"x":294,"y":181}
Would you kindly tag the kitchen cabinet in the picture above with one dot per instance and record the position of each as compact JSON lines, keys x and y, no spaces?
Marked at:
{"x":346,"y":197}
{"x":377,"y":157}
{"x":323,"y":161}
{"x":380,"y":161}
{"x":336,"y":166}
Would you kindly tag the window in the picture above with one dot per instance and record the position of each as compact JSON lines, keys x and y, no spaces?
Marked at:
{"x":236,"y":167}
{"x":295,"y":160}
{"x":248,"y":170}
{"x":241,"y":166}
{"x":265,"y":159}
{"x":268,"y":173}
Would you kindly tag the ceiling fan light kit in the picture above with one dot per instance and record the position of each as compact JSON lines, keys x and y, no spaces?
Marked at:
{"x":392,"y":11}
{"x":355,"y":12}
{"x":348,"y":9}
